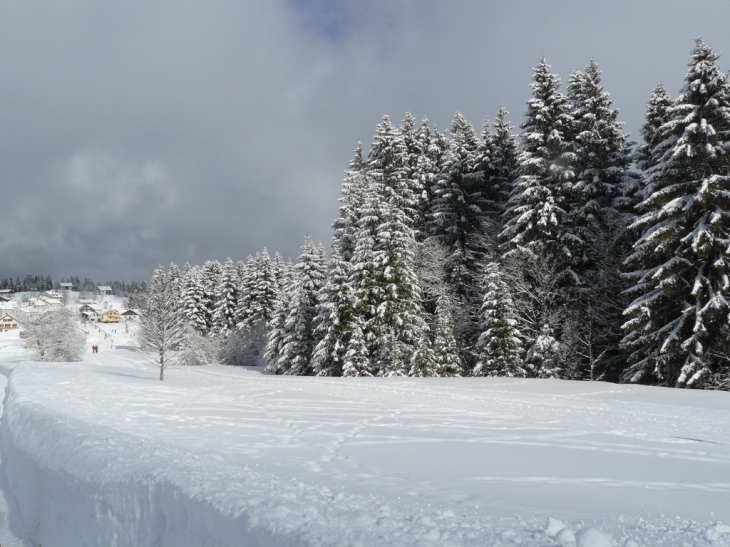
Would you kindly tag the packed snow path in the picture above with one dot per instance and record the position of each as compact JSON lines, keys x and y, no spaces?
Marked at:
{"x":103,"y":453}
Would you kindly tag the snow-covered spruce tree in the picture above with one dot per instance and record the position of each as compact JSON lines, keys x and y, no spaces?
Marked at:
{"x":500,"y":164}
{"x":55,"y":336}
{"x":357,"y":358}
{"x":536,"y":211}
{"x":247,"y":288}
{"x":388,"y":170}
{"x":193,"y":301}
{"x":499,"y":344}
{"x":421,"y":168}
{"x":398,"y":324}
{"x":352,"y":188}
{"x":256,"y":305}
{"x":387,"y":294}
{"x":210,"y":277}
{"x":445,"y":348}
{"x":459,"y":216}
{"x":658,"y":112}
{"x":536,"y":219}
{"x":224,"y":315}
{"x":276,"y":332}
{"x":298,"y":340}
{"x":545,"y":357}
{"x":334,"y":319}
{"x":161,"y":329}
{"x":599,"y":211}
{"x":678,"y":327}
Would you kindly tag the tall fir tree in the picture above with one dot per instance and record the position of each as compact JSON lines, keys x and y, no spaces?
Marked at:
{"x":224,"y":315}
{"x":537,"y":221}
{"x":194,"y":302}
{"x":537,"y":209}
{"x":298,"y":340}
{"x":334,"y":319}
{"x":678,"y":329}
{"x":500,"y":171}
{"x":600,"y":208}
{"x":345,"y":225}
{"x":459,"y":217}
{"x":210,"y":278}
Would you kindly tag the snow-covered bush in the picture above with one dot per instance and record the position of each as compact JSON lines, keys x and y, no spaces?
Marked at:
{"x":55,"y":336}
{"x":199,"y":349}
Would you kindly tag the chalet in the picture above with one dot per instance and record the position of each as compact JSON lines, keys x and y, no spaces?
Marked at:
{"x":82,"y":301}
{"x":4,"y":298}
{"x":90,"y":315}
{"x":129,"y":316}
{"x":104,"y":290}
{"x":52,"y":294}
{"x":110,"y":316}
{"x":7,"y":293}
{"x":8,"y":322}
{"x":66,"y":286}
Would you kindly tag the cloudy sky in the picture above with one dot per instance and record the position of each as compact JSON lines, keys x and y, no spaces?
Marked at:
{"x":139,"y":132}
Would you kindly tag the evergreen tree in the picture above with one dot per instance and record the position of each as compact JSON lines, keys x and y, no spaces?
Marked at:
{"x":658,"y":112}
{"x":194,"y":302}
{"x":499,"y":344}
{"x":334,"y":319}
{"x":445,"y":347}
{"x":678,"y":327}
{"x":352,"y":190}
{"x":224,"y":316}
{"x":459,"y":217}
{"x":500,"y":171}
{"x":536,"y":211}
{"x":544,"y":359}
{"x":247,"y":288}
{"x":600,"y":208}
{"x":210,"y":278}
{"x":298,"y":340}
{"x":357,"y":358}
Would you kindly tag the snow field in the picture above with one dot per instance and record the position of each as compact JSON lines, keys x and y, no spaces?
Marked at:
{"x":102,"y":453}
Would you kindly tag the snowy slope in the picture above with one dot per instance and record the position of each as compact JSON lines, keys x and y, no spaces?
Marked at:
{"x":102,"y":453}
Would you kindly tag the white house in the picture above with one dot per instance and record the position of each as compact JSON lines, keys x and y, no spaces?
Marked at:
{"x":90,"y":314}
{"x":129,"y":316}
{"x":51,"y":303}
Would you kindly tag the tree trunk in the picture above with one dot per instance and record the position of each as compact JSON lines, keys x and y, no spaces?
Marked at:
{"x":162,"y":366}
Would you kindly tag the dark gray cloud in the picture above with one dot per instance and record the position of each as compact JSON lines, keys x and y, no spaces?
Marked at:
{"x":133,"y":133}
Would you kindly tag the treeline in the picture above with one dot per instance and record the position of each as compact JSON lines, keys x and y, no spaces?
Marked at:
{"x":37,"y":282}
{"x":46,"y":283}
{"x":567,"y":254}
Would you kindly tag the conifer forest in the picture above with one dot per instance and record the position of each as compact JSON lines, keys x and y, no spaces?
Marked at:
{"x":555,"y":249}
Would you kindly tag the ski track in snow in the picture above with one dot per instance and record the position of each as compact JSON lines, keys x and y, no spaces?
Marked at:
{"x":102,"y":453}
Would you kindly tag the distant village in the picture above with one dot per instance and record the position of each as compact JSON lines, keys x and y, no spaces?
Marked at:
{"x":97,"y":307}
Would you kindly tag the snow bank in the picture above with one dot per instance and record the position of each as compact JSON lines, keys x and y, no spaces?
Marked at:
{"x":103,"y":454}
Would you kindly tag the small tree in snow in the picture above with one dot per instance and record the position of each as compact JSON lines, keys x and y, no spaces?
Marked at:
{"x":499,"y":343}
{"x":55,"y":336}
{"x":161,"y":329}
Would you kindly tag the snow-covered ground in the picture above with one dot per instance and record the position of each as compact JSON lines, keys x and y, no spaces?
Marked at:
{"x":101,"y":453}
